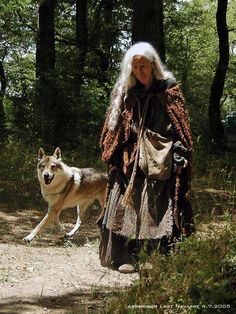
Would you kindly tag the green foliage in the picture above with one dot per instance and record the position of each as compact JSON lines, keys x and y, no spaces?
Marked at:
{"x":19,"y":185}
{"x":199,"y":277}
{"x":18,"y":179}
{"x":213,"y":182}
{"x":230,"y":89}
{"x":202,"y":271}
{"x":192,"y":52}
{"x":17,"y":162}
{"x":217,"y":170}
{"x":192,"y":55}
{"x":17,"y":44}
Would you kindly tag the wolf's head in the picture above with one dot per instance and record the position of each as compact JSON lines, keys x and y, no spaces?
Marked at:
{"x":49,"y":166}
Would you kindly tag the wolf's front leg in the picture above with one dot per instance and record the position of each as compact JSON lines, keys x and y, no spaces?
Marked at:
{"x":58,"y":225}
{"x":77,"y":225}
{"x":47,"y":220}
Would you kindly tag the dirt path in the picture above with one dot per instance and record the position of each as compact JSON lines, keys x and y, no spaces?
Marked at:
{"x":50,"y":275}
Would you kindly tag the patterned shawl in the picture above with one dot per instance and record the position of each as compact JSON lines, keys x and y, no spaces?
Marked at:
{"x":173,"y":103}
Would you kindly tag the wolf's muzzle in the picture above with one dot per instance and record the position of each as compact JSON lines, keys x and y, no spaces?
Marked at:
{"x":48,"y":177}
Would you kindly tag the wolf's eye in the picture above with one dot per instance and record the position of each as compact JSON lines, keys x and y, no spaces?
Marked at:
{"x":42,"y":166}
{"x":54,"y":167}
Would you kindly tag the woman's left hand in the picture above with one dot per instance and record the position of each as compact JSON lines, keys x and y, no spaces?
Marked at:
{"x":178,"y":169}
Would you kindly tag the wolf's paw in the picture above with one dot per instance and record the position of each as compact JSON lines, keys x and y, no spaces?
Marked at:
{"x":27,"y":239}
{"x":68,"y":236}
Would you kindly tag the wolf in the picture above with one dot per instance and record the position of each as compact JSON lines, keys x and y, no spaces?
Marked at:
{"x":64,"y":187}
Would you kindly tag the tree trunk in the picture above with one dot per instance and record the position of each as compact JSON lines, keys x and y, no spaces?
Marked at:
{"x":148,"y":24}
{"x":3,"y":131}
{"x":103,"y":36}
{"x":217,"y":88}
{"x":108,"y":37}
{"x":81,"y":41}
{"x":45,"y":63}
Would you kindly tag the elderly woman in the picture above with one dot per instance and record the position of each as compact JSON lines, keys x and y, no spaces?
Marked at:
{"x":146,"y":144}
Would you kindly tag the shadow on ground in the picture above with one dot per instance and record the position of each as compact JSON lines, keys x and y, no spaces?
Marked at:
{"x":17,"y":223}
{"x":94,"y":302}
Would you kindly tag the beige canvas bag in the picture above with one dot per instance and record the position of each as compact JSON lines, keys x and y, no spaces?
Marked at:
{"x":155,"y":156}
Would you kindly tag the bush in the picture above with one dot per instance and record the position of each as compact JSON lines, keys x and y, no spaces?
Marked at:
{"x":18,"y":175}
{"x":200,"y":277}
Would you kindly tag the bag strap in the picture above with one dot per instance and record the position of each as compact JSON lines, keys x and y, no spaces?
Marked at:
{"x":127,"y":196}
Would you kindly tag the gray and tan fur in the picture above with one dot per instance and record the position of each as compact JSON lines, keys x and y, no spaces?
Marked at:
{"x":65,"y":187}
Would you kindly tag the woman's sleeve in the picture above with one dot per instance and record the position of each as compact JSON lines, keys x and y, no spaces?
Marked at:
{"x":180,"y":154}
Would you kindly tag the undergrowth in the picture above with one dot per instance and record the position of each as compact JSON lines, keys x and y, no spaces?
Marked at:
{"x":18,"y":172}
{"x":199,"y":277}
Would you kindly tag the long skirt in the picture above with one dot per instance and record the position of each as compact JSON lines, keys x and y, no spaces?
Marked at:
{"x":146,"y":225}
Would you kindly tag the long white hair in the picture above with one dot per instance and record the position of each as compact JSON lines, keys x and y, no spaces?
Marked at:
{"x":126,"y":79}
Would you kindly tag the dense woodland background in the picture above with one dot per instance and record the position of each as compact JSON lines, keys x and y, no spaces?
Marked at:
{"x":60,"y":59}
{"x":58,"y":63}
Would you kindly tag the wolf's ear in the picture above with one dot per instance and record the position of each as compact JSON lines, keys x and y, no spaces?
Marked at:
{"x":57,"y":153}
{"x":41,"y":153}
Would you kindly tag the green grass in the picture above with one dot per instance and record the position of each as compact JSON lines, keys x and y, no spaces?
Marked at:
{"x":200,"y":277}
{"x":18,"y":175}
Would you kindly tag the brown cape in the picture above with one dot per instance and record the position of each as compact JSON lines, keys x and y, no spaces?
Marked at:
{"x":173,"y":103}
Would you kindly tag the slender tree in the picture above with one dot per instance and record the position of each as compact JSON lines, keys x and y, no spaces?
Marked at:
{"x":45,"y":63}
{"x":217,"y":87}
{"x":108,"y":37}
{"x":2,"y":113}
{"x":103,"y":33}
{"x":81,"y":40}
{"x":45,"y":54}
{"x":148,"y":24}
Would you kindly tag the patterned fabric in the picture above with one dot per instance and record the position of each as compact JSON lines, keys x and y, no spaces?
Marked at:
{"x":174,"y":105}
{"x":160,"y":208}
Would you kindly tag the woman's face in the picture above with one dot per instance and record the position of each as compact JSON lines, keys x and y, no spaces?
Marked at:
{"x":142,"y":69}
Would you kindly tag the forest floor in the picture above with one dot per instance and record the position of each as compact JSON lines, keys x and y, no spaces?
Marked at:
{"x":52,"y":275}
